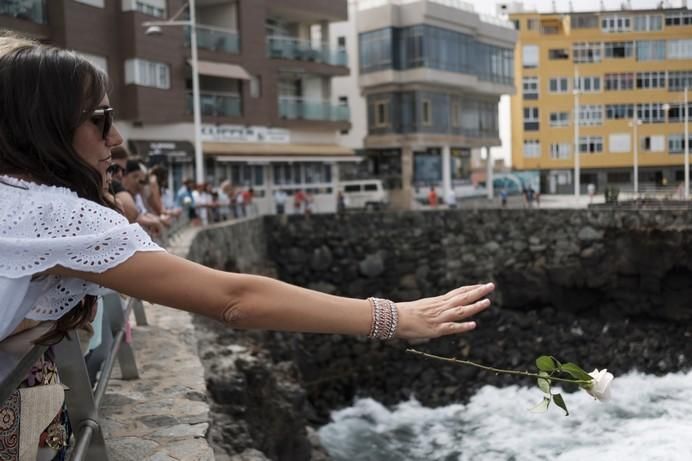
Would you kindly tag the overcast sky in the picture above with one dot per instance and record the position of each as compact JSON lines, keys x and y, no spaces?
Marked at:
{"x":546,"y":6}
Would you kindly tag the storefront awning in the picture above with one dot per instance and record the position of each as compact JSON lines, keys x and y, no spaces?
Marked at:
{"x":218,"y":69}
{"x":267,"y":152}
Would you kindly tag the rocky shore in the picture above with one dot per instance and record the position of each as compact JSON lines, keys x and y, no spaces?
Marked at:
{"x":600,"y":287}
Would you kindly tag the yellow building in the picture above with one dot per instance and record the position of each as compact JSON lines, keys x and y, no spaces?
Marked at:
{"x":632,"y":68}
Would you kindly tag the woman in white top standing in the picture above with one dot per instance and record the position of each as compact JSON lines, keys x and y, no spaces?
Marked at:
{"x":62,"y":239}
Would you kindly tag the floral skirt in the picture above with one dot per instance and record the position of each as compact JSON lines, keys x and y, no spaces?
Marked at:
{"x":55,"y":436}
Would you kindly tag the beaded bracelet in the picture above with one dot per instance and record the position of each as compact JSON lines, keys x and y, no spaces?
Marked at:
{"x":385,"y":318}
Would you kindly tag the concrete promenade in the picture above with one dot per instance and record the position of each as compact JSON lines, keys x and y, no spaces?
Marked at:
{"x":162,"y":416}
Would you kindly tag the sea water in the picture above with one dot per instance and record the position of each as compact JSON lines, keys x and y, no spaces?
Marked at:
{"x":648,"y":418}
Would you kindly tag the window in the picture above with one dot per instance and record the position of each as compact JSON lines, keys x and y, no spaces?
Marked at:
{"x":558,"y":85}
{"x":590,"y":144}
{"x":677,"y":112}
{"x":558,"y":54}
{"x":676,"y":143}
{"x":680,"y":49}
{"x":588,"y":84}
{"x":619,"y":82}
{"x":559,"y":119}
{"x":376,"y":50}
{"x":256,"y":86}
{"x":679,"y":18}
{"x":651,"y":113}
{"x":532,"y":24}
{"x":96,"y":3}
{"x":647,"y":80}
{"x":616,"y":23}
{"x":531,"y":120}
{"x":619,"y":143}
{"x":341,"y":42}
{"x":587,"y":52}
{"x":653,"y":143}
{"x":532,"y":148}
{"x":619,"y":111}
{"x":584,"y":21}
{"x":517,"y":24}
{"x":343,"y":102}
{"x":530,"y":56}
{"x":382,"y":114}
{"x":618,"y":50}
{"x":151,"y":7}
{"x":648,"y":22}
{"x":590,"y":115}
{"x":147,"y":73}
{"x":651,"y":50}
{"x":679,"y":80}
{"x":530,"y":88}
{"x":560,"y":151}
{"x":426,"y":116}
{"x":456,"y":114}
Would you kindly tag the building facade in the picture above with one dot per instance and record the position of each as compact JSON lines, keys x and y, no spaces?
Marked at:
{"x":431,"y":73}
{"x":266,"y":67}
{"x":621,"y":74}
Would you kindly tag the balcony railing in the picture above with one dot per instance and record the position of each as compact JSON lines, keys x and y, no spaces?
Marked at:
{"x":217,"y":104}
{"x":303,"y":50}
{"x":301,"y":109}
{"x":30,"y":10}
{"x":215,"y":39}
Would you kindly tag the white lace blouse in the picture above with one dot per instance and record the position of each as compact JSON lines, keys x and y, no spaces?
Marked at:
{"x":44,"y":226}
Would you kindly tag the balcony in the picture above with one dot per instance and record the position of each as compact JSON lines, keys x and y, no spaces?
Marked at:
{"x":215,"y":39}
{"x":293,"y":108}
{"x":217,"y":104}
{"x":29,"y":10}
{"x":302,"y":50}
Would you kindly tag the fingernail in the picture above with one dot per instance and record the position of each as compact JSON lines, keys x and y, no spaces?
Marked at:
{"x":489,"y":285}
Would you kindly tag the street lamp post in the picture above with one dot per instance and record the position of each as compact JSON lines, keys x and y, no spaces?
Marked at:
{"x":154,"y":28}
{"x":685,"y":140}
{"x":635,"y":143}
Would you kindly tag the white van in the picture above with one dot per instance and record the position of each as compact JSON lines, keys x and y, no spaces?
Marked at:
{"x":365,"y":193}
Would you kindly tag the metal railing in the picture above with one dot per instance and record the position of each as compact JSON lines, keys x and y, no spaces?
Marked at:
{"x":217,"y":104}
{"x":304,"y":50}
{"x":215,"y":39}
{"x":294,"y":108}
{"x":30,"y":10}
{"x":18,"y":354}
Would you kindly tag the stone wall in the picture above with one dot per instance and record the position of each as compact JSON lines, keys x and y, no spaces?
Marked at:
{"x":600,"y":287}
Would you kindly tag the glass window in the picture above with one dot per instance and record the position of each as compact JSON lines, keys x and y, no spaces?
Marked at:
{"x":618,"y":50}
{"x":619,"y":82}
{"x":590,"y":115}
{"x":590,"y":144}
{"x":426,"y":112}
{"x":531,"y":119}
{"x":651,"y":113}
{"x":376,"y":50}
{"x":427,"y":167}
{"x":560,"y":151}
{"x":559,"y":119}
{"x":147,"y":73}
{"x":584,"y":21}
{"x":584,"y":52}
{"x":616,"y":23}
{"x":680,"y":49}
{"x":651,"y":50}
{"x":558,"y":54}
{"x":530,"y":56}
{"x":532,"y":148}
{"x":619,"y":111}
{"x":558,"y":85}
{"x":530,"y":87}
{"x":679,"y":80}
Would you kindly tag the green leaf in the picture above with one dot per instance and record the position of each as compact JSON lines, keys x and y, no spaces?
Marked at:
{"x":544,"y":384}
{"x":541,"y":407}
{"x":559,"y":401}
{"x":545,"y":363}
{"x":575,"y":371}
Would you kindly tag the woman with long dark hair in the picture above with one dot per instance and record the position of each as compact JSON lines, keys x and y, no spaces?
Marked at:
{"x":62,"y":238}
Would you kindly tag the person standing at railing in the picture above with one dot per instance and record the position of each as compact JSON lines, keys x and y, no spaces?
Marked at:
{"x":63,"y":239}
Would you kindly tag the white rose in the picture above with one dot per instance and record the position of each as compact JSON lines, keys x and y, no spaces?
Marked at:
{"x":600,"y":388}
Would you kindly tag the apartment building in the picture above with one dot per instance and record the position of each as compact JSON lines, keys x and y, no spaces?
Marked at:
{"x":629,"y":69}
{"x":265,"y":67}
{"x":432,"y":73}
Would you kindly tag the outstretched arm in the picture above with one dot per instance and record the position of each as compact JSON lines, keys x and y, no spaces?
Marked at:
{"x":256,"y":302}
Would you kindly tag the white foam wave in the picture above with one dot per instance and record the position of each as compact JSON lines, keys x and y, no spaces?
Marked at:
{"x":648,"y":419}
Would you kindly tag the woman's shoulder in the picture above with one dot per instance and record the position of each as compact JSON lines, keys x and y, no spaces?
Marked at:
{"x":46,"y":210}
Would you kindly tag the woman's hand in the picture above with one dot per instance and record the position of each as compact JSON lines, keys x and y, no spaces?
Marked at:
{"x":443,"y":315}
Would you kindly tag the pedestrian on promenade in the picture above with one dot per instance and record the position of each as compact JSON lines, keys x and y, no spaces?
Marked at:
{"x":432,"y":197}
{"x":66,"y":239}
{"x":280,"y":198}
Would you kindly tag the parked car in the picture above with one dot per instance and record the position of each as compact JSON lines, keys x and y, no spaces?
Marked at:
{"x":367,"y":193}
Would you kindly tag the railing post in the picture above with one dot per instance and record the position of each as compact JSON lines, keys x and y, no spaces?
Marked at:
{"x":81,"y":407}
{"x":112,"y":306}
{"x":140,"y":315}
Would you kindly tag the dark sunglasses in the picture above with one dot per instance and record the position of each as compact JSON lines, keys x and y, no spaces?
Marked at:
{"x":103,"y":119}
{"x":114,"y":169}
